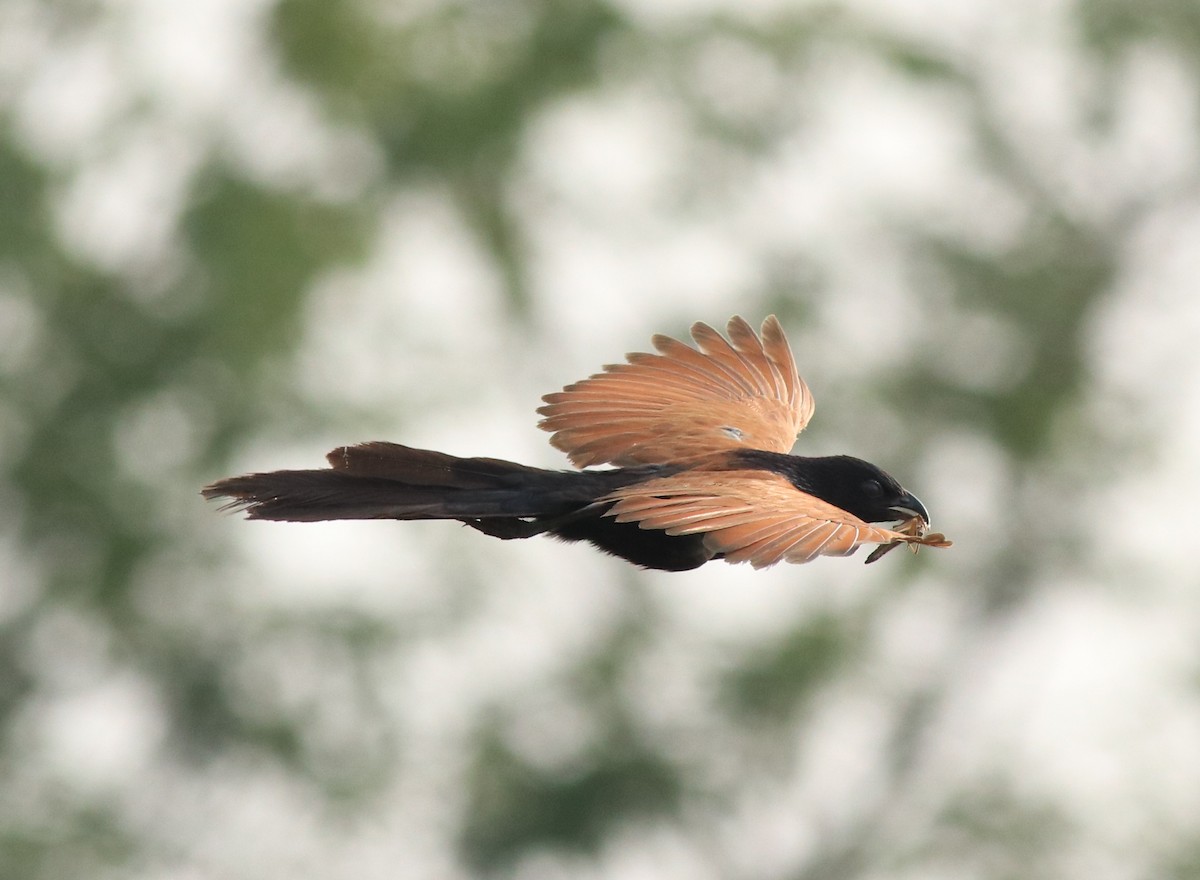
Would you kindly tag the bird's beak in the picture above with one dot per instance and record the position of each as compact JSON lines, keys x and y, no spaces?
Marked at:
{"x":909,"y":505}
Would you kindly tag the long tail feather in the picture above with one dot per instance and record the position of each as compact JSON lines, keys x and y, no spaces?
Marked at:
{"x":389,"y":481}
{"x":316,"y":495}
{"x":425,"y":467}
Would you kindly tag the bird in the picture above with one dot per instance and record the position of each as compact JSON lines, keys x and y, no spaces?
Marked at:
{"x":681,"y":456}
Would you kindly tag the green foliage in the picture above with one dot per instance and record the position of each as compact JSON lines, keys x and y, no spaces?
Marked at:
{"x":126,"y":387}
{"x":516,"y":808}
{"x":1048,"y":285}
{"x":1113,"y":25}
{"x":777,"y":679}
{"x":258,"y":250}
{"x":996,"y":832}
{"x":23,"y":218}
{"x":495,"y":64}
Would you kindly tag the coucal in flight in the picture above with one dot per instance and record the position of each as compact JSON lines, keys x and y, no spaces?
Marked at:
{"x":699,"y":438}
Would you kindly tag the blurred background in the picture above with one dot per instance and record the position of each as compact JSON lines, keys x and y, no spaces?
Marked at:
{"x":237,"y":233}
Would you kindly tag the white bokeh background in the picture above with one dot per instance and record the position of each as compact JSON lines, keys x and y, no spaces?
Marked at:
{"x":1082,"y":698}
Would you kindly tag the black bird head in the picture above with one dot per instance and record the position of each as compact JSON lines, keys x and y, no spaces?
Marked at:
{"x":860,"y":488}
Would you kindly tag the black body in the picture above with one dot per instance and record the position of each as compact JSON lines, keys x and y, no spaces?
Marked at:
{"x":509,"y":500}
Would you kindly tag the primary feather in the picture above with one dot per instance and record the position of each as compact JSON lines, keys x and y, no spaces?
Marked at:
{"x":740,"y":393}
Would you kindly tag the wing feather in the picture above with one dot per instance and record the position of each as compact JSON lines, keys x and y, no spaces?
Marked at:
{"x":771,"y":382}
{"x":779,"y":355}
{"x":679,"y":362}
{"x":752,"y":516}
{"x":742,"y":367}
{"x":721,"y":356}
{"x":740,"y":392}
{"x":711,"y":369}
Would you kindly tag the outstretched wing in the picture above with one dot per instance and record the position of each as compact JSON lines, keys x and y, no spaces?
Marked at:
{"x":740,"y":393}
{"x":753,"y":516}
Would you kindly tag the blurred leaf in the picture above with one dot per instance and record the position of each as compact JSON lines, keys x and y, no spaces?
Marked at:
{"x":447,"y":91}
{"x":1184,"y":862}
{"x":992,"y":831}
{"x":78,"y":843}
{"x":259,"y":250}
{"x":1047,"y":285}
{"x":1114,"y":25}
{"x":510,"y":57}
{"x":773,"y":681}
{"x":501,"y":62}
{"x":23,"y":212}
{"x":516,"y":808}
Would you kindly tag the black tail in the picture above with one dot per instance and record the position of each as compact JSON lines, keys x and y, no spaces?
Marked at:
{"x":500,"y":498}
{"x":389,"y":481}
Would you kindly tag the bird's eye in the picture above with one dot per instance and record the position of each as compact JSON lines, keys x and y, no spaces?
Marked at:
{"x":873,"y":489}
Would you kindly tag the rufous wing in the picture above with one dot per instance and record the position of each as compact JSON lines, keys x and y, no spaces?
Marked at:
{"x":741,"y":392}
{"x":752,"y":516}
